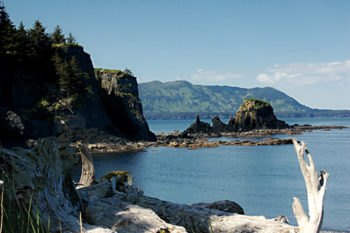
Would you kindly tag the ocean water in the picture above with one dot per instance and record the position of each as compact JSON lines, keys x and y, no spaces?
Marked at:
{"x":263,"y":180}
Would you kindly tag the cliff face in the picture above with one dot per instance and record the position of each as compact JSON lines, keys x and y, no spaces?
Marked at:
{"x":90,"y":113}
{"x":107,"y":103}
{"x":120,"y":96}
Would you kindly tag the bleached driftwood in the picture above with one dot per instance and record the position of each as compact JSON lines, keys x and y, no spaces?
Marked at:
{"x":87,"y":177}
{"x":193,"y":218}
{"x":316,"y":188}
{"x":41,"y":177}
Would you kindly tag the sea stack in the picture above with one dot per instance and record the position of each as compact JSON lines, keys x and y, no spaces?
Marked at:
{"x":120,"y":95}
{"x":257,"y":114}
{"x":198,"y":127}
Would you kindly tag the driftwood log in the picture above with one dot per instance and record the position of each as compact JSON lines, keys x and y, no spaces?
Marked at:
{"x":197,"y":219}
{"x":42,"y":174}
{"x":316,"y":188}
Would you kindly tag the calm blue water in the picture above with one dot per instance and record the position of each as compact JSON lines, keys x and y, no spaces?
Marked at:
{"x":263,"y":180}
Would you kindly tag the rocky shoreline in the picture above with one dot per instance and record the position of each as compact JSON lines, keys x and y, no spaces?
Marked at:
{"x":254,"y":119}
{"x":200,"y":140}
{"x":115,"y":205}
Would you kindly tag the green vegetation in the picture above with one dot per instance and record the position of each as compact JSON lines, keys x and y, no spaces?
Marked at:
{"x":257,"y":103}
{"x":58,"y":36}
{"x":120,"y":74}
{"x":112,"y":174}
{"x":32,"y":63}
{"x":62,"y":45}
{"x":108,"y":70}
{"x":71,"y":39}
{"x":17,"y":215}
{"x":127,"y":71}
{"x":18,"y":218}
{"x":69,"y":76}
{"x":181,"y":99}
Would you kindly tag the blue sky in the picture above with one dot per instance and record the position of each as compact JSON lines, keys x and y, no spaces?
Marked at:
{"x":300,"y":47}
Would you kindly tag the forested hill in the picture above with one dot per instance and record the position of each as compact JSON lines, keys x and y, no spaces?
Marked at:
{"x":181,"y":100}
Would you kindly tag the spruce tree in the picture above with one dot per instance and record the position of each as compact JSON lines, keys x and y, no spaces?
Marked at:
{"x":77,"y":76}
{"x":7,"y":35}
{"x":22,"y":44}
{"x":71,"y":39}
{"x":40,"y":54}
{"x":39,"y":38}
{"x":69,"y":76}
{"x":58,"y":36}
{"x":7,"y":57}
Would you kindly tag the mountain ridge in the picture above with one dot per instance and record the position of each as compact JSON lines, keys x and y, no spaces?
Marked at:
{"x":181,"y":99}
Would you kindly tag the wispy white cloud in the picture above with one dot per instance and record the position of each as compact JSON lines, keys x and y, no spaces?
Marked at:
{"x":213,"y":76}
{"x":307,"y":73}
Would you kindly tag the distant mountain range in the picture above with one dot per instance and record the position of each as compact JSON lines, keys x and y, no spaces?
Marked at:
{"x":184,"y":100}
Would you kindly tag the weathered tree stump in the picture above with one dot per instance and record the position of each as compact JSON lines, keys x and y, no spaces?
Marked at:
{"x":87,"y":177}
{"x":41,"y":177}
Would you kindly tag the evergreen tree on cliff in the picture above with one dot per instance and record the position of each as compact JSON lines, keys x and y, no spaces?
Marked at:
{"x":58,"y":36}
{"x":7,"y":56}
{"x":22,"y":44}
{"x":40,"y":53}
{"x":40,"y":40}
{"x":71,"y":39}
{"x":69,"y":76}
{"x":7,"y":36}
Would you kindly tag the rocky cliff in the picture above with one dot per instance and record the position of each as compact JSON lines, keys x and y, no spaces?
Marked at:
{"x":71,"y":100}
{"x":89,"y":113}
{"x":120,"y":96}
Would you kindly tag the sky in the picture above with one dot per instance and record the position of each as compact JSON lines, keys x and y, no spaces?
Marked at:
{"x":300,"y":47}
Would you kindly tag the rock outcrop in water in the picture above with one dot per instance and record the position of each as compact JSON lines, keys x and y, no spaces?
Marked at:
{"x":253,"y":114}
{"x":219,"y":126}
{"x":198,"y":127}
{"x":257,"y":114}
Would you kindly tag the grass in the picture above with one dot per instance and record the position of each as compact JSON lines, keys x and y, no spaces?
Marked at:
{"x":17,"y":218}
{"x":108,"y":70}
{"x":61,"y":45}
{"x":120,"y":74}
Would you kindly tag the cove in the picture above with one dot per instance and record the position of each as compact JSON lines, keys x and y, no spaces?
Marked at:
{"x":263,"y":180}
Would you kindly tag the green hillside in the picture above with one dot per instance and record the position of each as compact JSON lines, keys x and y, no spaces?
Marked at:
{"x":181,"y":99}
